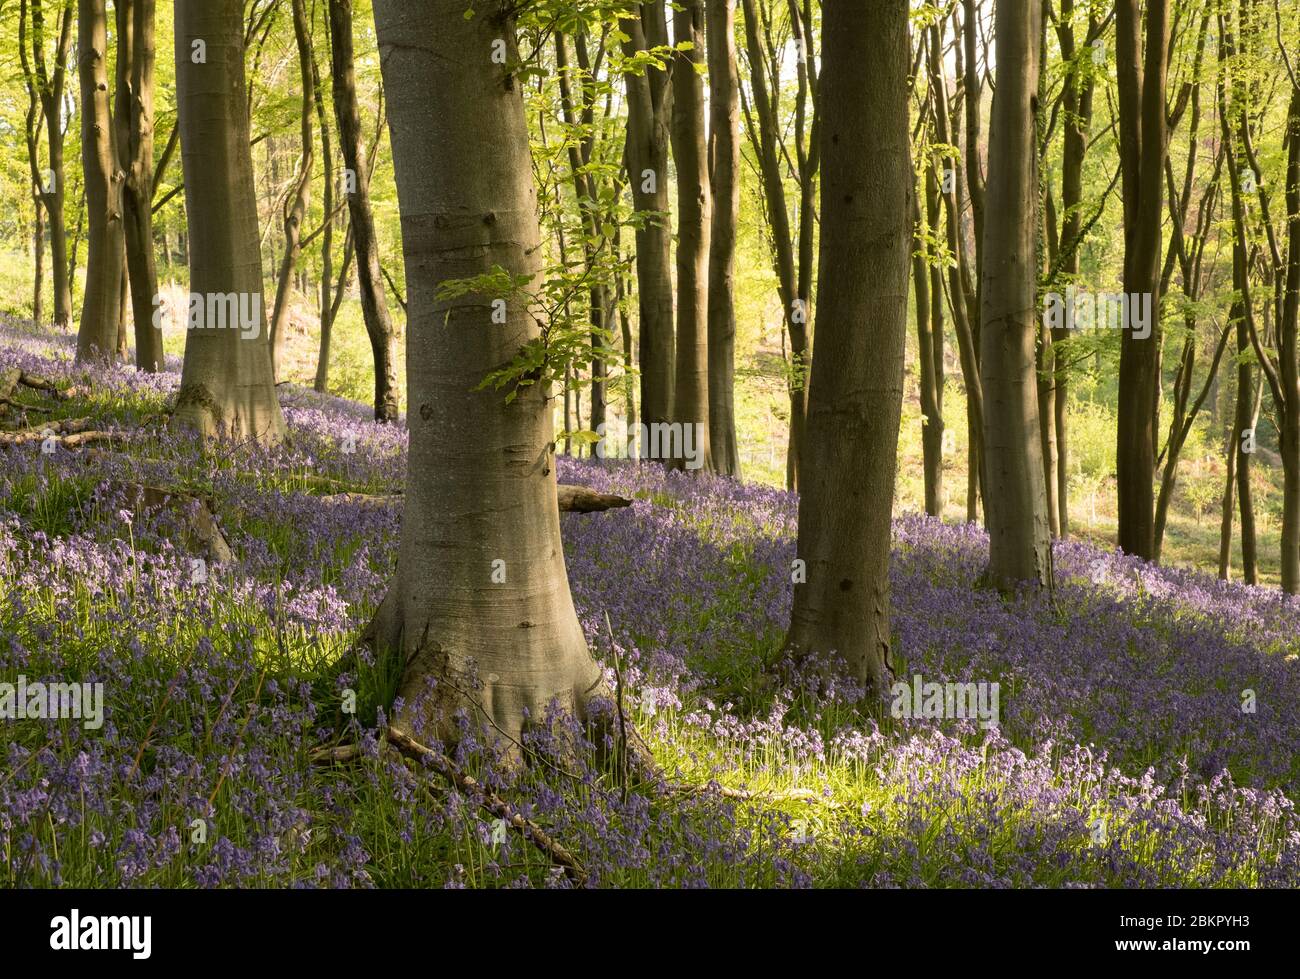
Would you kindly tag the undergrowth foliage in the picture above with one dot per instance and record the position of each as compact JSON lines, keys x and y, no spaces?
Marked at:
{"x":1125,"y":755}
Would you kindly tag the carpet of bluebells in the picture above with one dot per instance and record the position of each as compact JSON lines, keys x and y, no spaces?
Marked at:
{"x":1149,"y":727}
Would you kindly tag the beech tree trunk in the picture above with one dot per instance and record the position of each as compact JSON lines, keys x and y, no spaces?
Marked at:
{"x":100,"y":309}
{"x":793,"y":271}
{"x":227,"y":387}
{"x":691,"y":387}
{"x":321,"y":381}
{"x":1015,"y":504}
{"x":51,"y":83}
{"x":481,"y":586}
{"x":1077,"y":124}
{"x":1143,"y":150}
{"x":724,"y":186}
{"x":1288,"y":383}
{"x":649,"y":107}
{"x":961,"y":293}
{"x":295,"y":211}
{"x":855,"y":394}
{"x":929,"y":357}
{"x":379,"y":324}
{"x":134,"y":117}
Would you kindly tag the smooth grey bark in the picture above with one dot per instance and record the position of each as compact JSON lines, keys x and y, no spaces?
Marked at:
{"x":227,"y":387}
{"x":691,"y":385}
{"x":97,"y":333}
{"x":480,"y":482}
{"x":855,"y":393}
{"x":1015,"y":502}
{"x":295,"y":209}
{"x":379,"y":324}
{"x":649,"y":108}
{"x":724,"y":189}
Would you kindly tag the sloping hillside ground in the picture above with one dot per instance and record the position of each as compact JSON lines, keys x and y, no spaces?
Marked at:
{"x":1149,"y":731}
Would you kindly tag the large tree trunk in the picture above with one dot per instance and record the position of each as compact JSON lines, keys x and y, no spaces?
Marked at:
{"x":1143,"y":148}
{"x":649,"y":106}
{"x":1015,"y":504}
{"x":97,"y":332}
{"x":855,"y":394}
{"x":724,"y":185}
{"x":691,"y":387}
{"x":379,"y":325}
{"x":295,"y":210}
{"x":134,"y":119}
{"x":227,"y":387}
{"x":481,"y":585}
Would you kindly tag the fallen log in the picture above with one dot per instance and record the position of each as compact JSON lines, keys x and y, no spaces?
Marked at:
{"x":70,"y":433}
{"x":572,"y":499}
{"x":581,"y":499}
{"x":199,"y":522}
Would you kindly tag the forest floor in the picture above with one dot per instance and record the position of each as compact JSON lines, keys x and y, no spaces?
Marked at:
{"x":1148,"y":732}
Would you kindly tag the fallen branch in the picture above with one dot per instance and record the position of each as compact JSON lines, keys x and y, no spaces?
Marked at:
{"x":744,"y":795}
{"x":492,"y":802}
{"x":71,"y":433}
{"x":572,"y":499}
{"x":487,"y":799}
{"x":40,"y":383}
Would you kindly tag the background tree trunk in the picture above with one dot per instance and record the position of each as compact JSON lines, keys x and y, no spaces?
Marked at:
{"x":724,"y":185}
{"x":295,"y":211}
{"x":134,"y":118}
{"x":227,"y":387}
{"x":100,"y":310}
{"x":649,"y":106}
{"x":930,"y":359}
{"x":855,"y":395}
{"x":1015,"y":504}
{"x":1143,"y":150}
{"x":379,"y":325}
{"x":51,"y":84}
{"x":691,"y":387}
